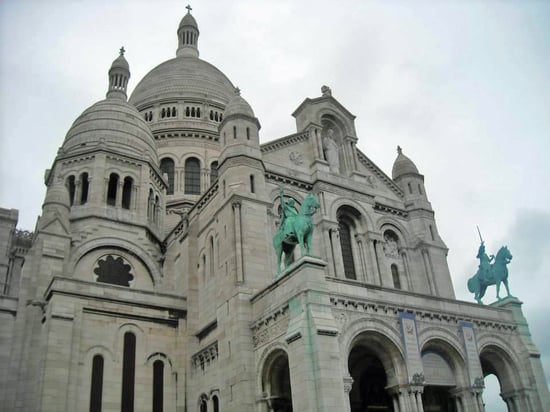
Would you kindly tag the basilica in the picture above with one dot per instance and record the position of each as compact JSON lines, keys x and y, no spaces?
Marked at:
{"x":181,"y":265}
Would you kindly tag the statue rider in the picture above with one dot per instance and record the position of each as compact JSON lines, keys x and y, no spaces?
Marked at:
{"x":484,"y":263}
{"x":288,"y":209}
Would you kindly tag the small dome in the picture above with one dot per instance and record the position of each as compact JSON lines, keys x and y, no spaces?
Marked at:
{"x":403,"y":165}
{"x":120,"y":62}
{"x":238,"y":105}
{"x":114,"y":124}
{"x":188,"y":20}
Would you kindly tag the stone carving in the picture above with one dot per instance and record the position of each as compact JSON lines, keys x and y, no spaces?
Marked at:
{"x":330,"y":150}
{"x":418,"y":379}
{"x":296,"y":228}
{"x":203,"y":359}
{"x":479,"y":383}
{"x":296,"y":158}
{"x":490,"y":274}
{"x":326,"y":91}
{"x":391,"y":247}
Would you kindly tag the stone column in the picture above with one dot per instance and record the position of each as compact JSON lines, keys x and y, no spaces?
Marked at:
{"x":329,"y":251}
{"x":120,"y":185}
{"x":361,"y":250}
{"x":238,"y":242}
{"x":77,"y":192}
{"x":337,"y":252}
{"x":428,"y":270}
{"x":406,"y":268}
{"x":348,"y":385}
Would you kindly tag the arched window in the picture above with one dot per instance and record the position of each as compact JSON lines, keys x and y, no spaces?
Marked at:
{"x":215,"y":403}
{"x":111,"y":190}
{"x":71,"y":187}
{"x":347,"y":252}
{"x":204,"y":406}
{"x":84,"y":187}
{"x":419,"y":188}
{"x":234,"y":132}
{"x":187,"y":112}
{"x":248,"y":133}
{"x":128,"y":372}
{"x":127,"y":192}
{"x":349,"y":220}
{"x":192,"y":112}
{"x":211,"y":115}
{"x":252,"y":188}
{"x":163,"y":113}
{"x":150,"y":204}
{"x":198,"y":112}
{"x":216,"y":116}
{"x":213,"y":171}
{"x":96,"y":387}
{"x":395,"y":276}
{"x":158,"y":386}
{"x":192,"y":176}
{"x":167,"y":166}
{"x":410,"y":188}
{"x":156,"y":212}
{"x":211,"y":256}
{"x":173,"y":112}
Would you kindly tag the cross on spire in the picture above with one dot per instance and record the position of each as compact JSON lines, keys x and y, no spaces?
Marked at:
{"x":399,"y":150}
{"x":189,"y":8}
{"x":122,"y":50}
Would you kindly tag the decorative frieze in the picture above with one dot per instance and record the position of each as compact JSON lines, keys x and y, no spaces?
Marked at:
{"x":203,"y":359}
{"x":270,"y":327}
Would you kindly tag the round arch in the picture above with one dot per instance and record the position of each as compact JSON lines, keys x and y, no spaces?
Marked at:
{"x":116,"y":243}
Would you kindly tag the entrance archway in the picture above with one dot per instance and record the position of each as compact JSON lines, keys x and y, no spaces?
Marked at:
{"x":495,"y":361}
{"x":276,"y":382}
{"x":372,"y":364}
{"x":368,"y":392}
{"x":444,"y":372}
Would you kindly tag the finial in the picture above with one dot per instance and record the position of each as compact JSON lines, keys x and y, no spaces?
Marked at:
{"x":189,"y":8}
{"x":122,"y":50}
{"x":237,"y":91}
{"x":399,"y":150}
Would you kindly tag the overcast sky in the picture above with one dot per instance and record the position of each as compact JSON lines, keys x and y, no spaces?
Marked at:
{"x":462,"y":86}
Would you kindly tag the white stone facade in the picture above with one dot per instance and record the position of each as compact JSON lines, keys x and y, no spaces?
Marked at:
{"x":151,"y":280}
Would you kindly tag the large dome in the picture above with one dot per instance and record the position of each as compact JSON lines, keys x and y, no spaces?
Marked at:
{"x":115,"y":124}
{"x":183,"y":77}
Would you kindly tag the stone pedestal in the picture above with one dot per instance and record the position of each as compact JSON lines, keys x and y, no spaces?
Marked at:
{"x":316,"y":379}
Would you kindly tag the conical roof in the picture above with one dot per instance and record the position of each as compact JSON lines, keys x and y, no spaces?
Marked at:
{"x":403,"y":165}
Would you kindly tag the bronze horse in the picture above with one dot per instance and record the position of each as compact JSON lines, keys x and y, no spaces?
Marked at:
{"x":296,"y":230}
{"x":497,"y":274}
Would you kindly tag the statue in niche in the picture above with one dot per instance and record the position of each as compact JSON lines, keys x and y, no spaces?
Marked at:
{"x":390,"y":248}
{"x":330,"y":150}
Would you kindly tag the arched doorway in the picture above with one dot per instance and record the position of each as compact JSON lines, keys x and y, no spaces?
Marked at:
{"x":496,"y":363}
{"x":368,"y":392}
{"x":444,"y":372}
{"x":276,"y":382}
{"x":372,"y":363}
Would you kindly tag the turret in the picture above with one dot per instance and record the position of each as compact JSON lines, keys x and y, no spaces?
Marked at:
{"x":188,"y":36}
{"x":119,"y":74}
{"x":407,"y":177}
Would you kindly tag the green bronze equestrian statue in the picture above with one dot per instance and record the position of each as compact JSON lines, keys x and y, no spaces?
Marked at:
{"x":295,"y":228}
{"x":490,"y":274}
